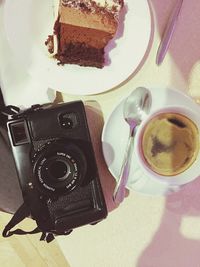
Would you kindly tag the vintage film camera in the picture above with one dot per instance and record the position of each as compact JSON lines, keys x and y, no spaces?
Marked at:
{"x":56,"y":166}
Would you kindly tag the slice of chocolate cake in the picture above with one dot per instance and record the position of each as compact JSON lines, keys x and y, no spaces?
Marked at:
{"x":82,"y":30}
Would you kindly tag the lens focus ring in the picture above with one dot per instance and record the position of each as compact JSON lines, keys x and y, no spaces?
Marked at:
{"x":59,"y":168}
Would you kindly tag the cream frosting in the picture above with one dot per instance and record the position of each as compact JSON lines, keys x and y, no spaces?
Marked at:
{"x":103,"y":3}
{"x":110,"y":5}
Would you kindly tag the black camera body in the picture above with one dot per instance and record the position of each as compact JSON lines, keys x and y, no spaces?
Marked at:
{"x":56,"y":166}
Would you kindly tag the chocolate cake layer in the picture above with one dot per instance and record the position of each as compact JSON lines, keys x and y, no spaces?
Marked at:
{"x":80,"y":45}
{"x":75,"y":34}
{"x":82,"y":55}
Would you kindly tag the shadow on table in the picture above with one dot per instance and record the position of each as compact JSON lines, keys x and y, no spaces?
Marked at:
{"x":170,"y":247}
{"x":174,"y":243}
{"x":184,"y":48}
{"x":96,"y":122}
{"x":10,"y":193}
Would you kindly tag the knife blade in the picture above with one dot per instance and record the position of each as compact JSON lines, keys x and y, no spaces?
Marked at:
{"x":168,"y":33}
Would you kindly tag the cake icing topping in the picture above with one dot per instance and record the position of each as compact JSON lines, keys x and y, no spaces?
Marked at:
{"x":112,"y":6}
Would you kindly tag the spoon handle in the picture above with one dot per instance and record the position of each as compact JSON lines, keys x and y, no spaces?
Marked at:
{"x":120,"y":188}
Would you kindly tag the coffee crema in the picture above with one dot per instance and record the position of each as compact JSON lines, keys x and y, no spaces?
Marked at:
{"x":170,"y":143}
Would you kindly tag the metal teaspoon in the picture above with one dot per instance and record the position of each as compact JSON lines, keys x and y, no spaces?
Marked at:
{"x":135,"y":107}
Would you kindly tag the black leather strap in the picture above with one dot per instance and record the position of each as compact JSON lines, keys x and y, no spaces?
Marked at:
{"x":22,"y":213}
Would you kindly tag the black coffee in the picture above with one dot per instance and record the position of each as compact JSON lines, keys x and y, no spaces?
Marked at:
{"x":170,"y":143}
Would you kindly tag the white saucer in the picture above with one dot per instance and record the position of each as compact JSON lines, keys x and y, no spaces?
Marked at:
{"x":115,"y":136}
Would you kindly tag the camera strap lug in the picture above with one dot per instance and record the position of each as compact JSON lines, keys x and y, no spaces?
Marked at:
{"x":6,"y":113}
{"x":10,"y":110}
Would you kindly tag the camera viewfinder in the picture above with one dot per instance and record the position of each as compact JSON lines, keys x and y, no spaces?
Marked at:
{"x":19,"y":133}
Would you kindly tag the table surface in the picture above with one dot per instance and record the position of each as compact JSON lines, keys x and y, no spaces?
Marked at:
{"x":146,"y":231}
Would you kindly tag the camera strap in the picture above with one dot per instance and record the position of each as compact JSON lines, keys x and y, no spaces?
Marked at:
{"x":22,"y":213}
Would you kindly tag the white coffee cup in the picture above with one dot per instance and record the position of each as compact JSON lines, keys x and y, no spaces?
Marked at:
{"x":192,"y":172}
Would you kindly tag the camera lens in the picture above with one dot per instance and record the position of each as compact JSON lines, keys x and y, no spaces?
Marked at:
{"x":59,"y":167}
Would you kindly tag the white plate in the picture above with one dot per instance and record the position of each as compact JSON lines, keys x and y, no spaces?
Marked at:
{"x":29,"y":22}
{"x":114,"y":141}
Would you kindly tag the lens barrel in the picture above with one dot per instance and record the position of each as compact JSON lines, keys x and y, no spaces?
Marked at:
{"x":59,"y":167}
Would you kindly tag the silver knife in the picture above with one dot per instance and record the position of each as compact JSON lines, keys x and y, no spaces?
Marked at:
{"x":165,"y":42}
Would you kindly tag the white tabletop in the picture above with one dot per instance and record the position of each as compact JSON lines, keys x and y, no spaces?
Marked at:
{"x":144,"y":231}
{"x":17,"y":85}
